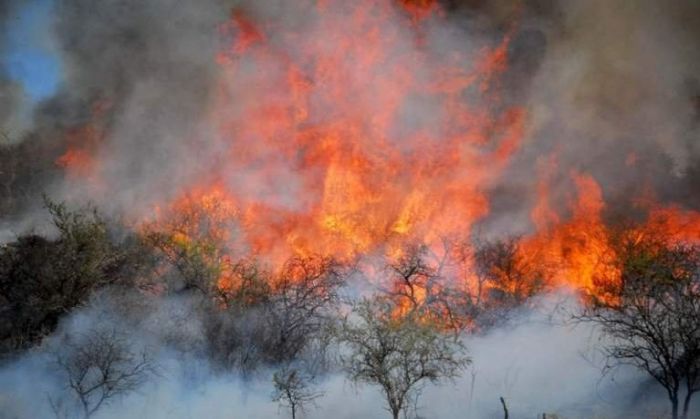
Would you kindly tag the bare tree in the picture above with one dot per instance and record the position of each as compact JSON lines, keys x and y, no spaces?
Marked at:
{"x":288,"y":317}
{"x":419,"y":285}
{"x":99,"y":367}
{"x":301,"y":305}
{"x":411,"y":276}
{"x":293,"y":390}
{"x":511,"y":277}
{"x":398,"y":354}
{"x":649,"y":313}
{"x":497,"y":276}
{"x":246,"y":285}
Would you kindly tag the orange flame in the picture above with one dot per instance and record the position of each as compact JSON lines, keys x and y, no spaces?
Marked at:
{"x":79,"y":160}
{"x":352,"y":136}
{"x":322,"y":130}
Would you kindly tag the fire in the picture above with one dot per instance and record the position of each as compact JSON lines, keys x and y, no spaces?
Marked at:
{"x":79,"y":160}
{"x":420,"y":8}
{"x":579,"y":251}
{"x":322,"y":132}
{"x":574,"y":248}
{"x":350,"y":134}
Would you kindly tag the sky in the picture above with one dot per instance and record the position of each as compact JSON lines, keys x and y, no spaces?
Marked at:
{"x":30,"y":57}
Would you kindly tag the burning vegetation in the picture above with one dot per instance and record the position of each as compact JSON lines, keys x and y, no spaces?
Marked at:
{"x":359,"y":188}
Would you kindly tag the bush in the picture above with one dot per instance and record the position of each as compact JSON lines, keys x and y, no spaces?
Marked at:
{"x":42,"y":279}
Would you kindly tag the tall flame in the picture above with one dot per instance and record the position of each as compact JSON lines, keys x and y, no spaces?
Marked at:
{"x":332,"y":135}
{"x":352,"y":135}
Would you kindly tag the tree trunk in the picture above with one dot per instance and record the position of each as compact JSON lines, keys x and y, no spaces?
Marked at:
{"x":674,"y":407}
{"x":505,"y":408}
{"x":686,"y":404}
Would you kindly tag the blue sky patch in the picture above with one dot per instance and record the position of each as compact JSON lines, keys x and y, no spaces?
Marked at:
{"x":30,"y":57}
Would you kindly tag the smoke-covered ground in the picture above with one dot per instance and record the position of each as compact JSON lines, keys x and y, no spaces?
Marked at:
{"x":539,"y":364}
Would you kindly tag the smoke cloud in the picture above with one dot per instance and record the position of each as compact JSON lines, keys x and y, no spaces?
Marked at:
{"x":611,"y":89}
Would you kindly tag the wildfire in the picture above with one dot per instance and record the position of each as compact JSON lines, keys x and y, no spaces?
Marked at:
{"x":78,"y":160}
{"x":350,"y":135}
{"x":333,"y":137}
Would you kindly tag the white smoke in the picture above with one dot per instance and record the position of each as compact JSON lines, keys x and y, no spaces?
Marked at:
{"x":540,"y":363}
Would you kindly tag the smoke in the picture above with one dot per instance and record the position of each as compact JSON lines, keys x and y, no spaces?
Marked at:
{"x":611,"y":88}
{"x":540,"y":364}
{"x":615,"y":94}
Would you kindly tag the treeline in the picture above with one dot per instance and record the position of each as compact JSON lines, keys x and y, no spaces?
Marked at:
{"x":305,"y":319}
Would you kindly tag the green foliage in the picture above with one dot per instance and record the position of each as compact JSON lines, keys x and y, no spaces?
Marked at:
{"x":42,"y":279}
{"x":197,"y":261}
{"x":399,"y":354}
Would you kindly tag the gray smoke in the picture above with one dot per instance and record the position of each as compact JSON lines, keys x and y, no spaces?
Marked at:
{"x":539,"y":364}
{"x":614,"y":94}
{"x":611,"y":88}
